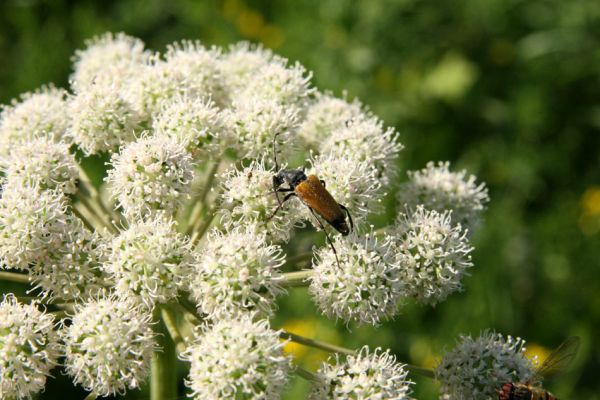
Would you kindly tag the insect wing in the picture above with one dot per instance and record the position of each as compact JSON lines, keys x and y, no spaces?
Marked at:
{"x":559,"y":359}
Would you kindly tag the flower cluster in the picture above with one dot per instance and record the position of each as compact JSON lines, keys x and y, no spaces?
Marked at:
{"x":191,"y":221}
{"x":477,"y":368}
{"x":367,"y":375}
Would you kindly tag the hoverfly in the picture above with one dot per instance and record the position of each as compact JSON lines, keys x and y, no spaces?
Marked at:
{"x":312,"y":192}
{"x":531,"y":389}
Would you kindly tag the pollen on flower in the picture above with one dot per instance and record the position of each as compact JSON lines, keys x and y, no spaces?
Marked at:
{"x":29,"y":348}
{"x":151,"y":176}
{"x":476,"y":368}
{"x":237,"y":271}
{"x":238,"y":359}
{"x":41,"y":113}
{"x":44,"y":163}
{"x":365,"y":287}
{"x":433,"y":254}
{"x":108,"y":346}
{"x":150,"y":261}
{"x":437,"y":188}
{"x":368,"y":375}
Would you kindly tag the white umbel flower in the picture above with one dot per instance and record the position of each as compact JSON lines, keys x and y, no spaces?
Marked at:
{"x":439,"y":189}
{"x":41,"y":113}
{"x":150,"y":176}
{"x":432,"y":253}
{"x":476,"y":368}
{"x":29,"y":348}
{"x":33,"y":224}
{"x":237,"y":271}
{"x":108,"y":346}
{"x":102,"y":117}
{"x":196,"y":123}
{"x":43,"y":162}
{"x":366,"y":376}
{"x":325,"y":115}
{"x":73,"y":272}
{"x":353,"y":183}
{"x":115,"y":56}
{"x":199,"y":69}
{"x":364,"y":287}
{"x":248,"y":200}
{"x":367,"y":140}
{"x":150,"y":261}
{"x":237,"y":359}
{"x":241,"y":64}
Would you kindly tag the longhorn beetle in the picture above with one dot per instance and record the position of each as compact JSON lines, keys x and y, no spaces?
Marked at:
{"x":311,"y":191}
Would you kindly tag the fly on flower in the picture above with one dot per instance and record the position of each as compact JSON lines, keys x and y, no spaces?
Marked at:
{"x":557,"y":361}
{"x":312,"y":192}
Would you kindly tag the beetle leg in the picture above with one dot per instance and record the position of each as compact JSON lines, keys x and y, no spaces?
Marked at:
{"x":286,"y":198}
{"x":322,"y":182}
{"x":349,"y":216}
{"x":326,"y":236}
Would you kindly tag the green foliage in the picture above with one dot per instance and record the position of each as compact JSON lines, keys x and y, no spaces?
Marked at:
{"x":508,"y":89}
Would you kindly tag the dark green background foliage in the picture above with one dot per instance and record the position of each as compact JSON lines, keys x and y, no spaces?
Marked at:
{"x":509,"y":89}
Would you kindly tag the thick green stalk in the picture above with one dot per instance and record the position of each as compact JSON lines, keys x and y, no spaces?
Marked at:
{"x":200,"y":200}
{"x":14,"y":277}
{"x":163,"y":380}
{"x":171,"y":324}
{"x":296,"y":279}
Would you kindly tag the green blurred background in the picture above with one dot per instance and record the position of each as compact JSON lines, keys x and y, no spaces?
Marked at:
{"x":508,"y":89}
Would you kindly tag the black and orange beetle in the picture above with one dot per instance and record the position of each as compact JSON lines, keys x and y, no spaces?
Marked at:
{"x":312,"y":192}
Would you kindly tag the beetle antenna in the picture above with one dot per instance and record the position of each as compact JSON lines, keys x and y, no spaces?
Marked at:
{"x":327,"y":237}
{"x":275,"y":152}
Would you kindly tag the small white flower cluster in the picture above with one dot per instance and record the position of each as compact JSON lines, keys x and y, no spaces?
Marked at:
{"x":29,"y":348}
{"x":164,"y":119}
{"x":476,"y":368}
{"x":237,"y":359}
{"x":365,"y":376}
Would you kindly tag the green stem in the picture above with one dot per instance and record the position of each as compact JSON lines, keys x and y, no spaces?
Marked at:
{"x":163,"y":381}
{"x":189,"y":308}
{"x":203,"y":227}
{"x":338,"y":349}
{"x":89,"y":189}
{"x":297,"y":278}
{"x":299,"y":258}
{"x":91,"y":396}
{"x":14,"y":277}
{"x":306,"y":374}
{"x":171,"y":325}
{"x":200,"y":201}
{"x":88,"y":217}
{"x":102,"y":218}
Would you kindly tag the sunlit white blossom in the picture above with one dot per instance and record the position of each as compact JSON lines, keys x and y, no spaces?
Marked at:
{"x":33,"y":224}
{"x":325,"y":115}
{"x":150,"y":261}
{"x":237,"y":359}
{"x":366,"y":139}
{"x":102,"y":117}
{"x":29,"y":348}
{"x":476,"y":368}
{"x":367,"y":376}
{"x":365,"y":286}
{"x":196,"y":123}
{"x":43,"y":162}
{"x":113,"y":56}
{"x":242,"y":63}
{"x":108,"y":346}
{"x":437,"y":188}
{"x":150,"y":176}
{"x":237,"y":271}
{"x":248,"y":199}
{"x":35,"y":114}
{"x":433,"y":254}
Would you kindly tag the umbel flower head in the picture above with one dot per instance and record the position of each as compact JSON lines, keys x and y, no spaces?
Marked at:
{"x":237,"y":359}
{"x":367,"y":376}
{"x":151,"y":176}
{"x":33,"y":224}
{"x":237,"y":271}
{"x":108,"y":346}
{"x":432,"y":254}
{"x":150,"y":261}
{"x":476,"y":368}
{"x":29,"y":348}
{"x":41,"y":113}
{"x":437,"y":188}
{"x":43,"y":162}
{"x":364,"y":287}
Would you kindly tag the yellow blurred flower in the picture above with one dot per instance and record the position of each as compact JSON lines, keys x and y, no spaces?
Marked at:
{"x":589,"y":216}
{"x":536,"y":353}
{"x":306,"y":356}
